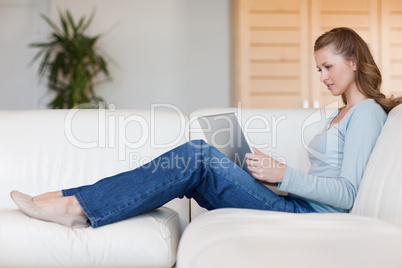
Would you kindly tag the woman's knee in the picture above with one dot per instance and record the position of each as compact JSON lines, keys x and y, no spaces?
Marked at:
{"x":197,"y":146}
{"x":198,"y":143}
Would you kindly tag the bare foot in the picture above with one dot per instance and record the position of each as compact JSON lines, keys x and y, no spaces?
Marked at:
{"x":60,"y":205}
{"x":48,"y":195}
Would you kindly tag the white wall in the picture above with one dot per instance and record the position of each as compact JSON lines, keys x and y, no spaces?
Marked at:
{"x":20,"y":25}
{"x":167,"y":51}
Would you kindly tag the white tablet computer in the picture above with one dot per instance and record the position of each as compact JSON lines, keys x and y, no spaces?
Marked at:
{"x":225,"y":132}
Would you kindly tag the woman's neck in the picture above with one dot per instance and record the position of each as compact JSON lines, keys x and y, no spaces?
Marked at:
{"x":354,"y":98}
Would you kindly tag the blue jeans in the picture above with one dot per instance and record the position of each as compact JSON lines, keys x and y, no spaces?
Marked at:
{"x":195,"y":170}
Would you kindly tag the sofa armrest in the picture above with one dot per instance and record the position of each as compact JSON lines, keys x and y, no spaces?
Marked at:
{"x":252,"y":238}
{"x":148,"y":240}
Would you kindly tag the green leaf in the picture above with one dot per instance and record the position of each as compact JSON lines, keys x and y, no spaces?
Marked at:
{"x":50,"y":23}
{"x":81,"y":21}
{"x":44,"y":64}
{"x":37,"y":45}
{"x":64,"y":24}
{"x":58,"y":38}
{"x":37,"y":56}
{"x":103,"y":66}
{"x":71,"y":22}
{"x":91,"y":17}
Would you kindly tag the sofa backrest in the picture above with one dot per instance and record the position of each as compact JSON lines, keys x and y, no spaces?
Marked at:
{"x":282,"y":133}
{"x":380,"y":193}
{"x":47,"y":150}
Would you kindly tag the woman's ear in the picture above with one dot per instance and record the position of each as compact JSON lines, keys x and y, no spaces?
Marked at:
{"x":353,"y":63}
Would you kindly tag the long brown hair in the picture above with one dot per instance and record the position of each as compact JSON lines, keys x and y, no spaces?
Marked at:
{"x":347,"y":43}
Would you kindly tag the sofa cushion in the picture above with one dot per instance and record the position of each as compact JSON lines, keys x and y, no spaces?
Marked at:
{"x":380,"y":193}
{"x":253,"y":238}
{"x":148,"y":240}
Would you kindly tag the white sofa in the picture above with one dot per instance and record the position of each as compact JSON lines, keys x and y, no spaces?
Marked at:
{"x":48,"y":150}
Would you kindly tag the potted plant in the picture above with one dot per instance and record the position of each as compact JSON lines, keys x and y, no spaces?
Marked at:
{"x":70,"y":61}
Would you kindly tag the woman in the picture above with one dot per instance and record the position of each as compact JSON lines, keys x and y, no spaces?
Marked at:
{"x":347,"y":69}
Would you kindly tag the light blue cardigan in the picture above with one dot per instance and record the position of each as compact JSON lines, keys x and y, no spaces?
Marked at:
{"x":338,"y":157}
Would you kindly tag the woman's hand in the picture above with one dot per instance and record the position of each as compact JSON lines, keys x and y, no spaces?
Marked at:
{"x":264,"y":167}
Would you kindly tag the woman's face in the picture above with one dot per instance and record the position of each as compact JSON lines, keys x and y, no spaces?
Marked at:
{"x":337,"y":73}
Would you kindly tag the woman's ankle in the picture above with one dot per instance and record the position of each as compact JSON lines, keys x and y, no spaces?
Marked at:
{"x":74,"y":208}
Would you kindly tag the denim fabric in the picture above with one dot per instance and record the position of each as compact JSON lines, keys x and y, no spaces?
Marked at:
{"x":195,"y":170}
